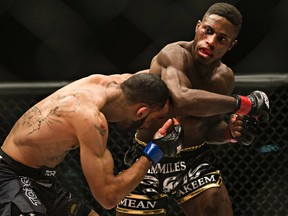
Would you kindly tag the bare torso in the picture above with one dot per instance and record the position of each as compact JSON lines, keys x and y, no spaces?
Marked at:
{"x":206,"y":79}
{"x":46,"y":132}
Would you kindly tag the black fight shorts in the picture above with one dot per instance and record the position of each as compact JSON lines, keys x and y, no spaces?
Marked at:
{"x":25,"y":190}
{"x":183,"y":177}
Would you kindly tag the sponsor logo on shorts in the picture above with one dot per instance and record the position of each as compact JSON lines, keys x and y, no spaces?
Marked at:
{"x":197,"y":186}
{"x":138,"y":204}
{"x":50,"y":173}
{"x":187,"y":181}
{"x":172,"y":182}
{"x":30,"y":194}
{"x":167,"y":168}
{"x":198,"y":183}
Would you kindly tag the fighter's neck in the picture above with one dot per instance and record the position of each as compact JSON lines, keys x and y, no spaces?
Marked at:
{"x":114,"y":108}
{"x":204,"y":70}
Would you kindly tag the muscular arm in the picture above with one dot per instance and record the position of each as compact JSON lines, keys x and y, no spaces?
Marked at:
{"x":172,"y":64}
{"x":107,"y":188}
{"x":98,"y":166}
{"x":196,"y":102}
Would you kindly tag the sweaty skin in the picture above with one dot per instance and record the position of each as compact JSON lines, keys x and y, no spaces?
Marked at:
{"x":190,"y":70}
{"x":194,"y":68}
{"x":77,"y":115}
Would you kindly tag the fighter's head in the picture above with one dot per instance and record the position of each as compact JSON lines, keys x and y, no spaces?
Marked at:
{"x":148,"y":96}
{"x":216,"y":33}
{"x":228,"y":11}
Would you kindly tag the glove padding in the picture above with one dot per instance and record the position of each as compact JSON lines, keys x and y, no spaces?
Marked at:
{"x":171,"y":144}
{"x":167,"y":146}
{"x":248,"y":133}
{"x":256,"y":104}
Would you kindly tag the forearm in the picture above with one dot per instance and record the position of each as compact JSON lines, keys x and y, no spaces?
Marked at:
{"x":195,"y":102}
{"x":130,"y":178}
{"x":109,"y":189}
{"x":163,"y":144}
{"x":118,"y":186}
{"x":203,"y":103}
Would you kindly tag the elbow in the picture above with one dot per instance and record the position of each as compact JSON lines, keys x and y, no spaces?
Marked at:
{"x":107,"y":207}
{"x":179,"y":99}
{"x":108,"y":202}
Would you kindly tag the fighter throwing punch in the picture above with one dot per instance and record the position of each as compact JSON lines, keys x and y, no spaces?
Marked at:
{"x":77,"y":115}
{"x":201,"y":87}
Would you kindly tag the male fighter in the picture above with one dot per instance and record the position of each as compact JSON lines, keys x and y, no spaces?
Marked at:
{"x":190,"y":70}
{"x":77,"y":115}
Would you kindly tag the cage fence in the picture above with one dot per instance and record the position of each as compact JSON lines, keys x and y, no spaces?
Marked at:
{"x":256,"y":176}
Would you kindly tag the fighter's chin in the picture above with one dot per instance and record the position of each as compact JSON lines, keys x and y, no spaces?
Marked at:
{"x":203,"y":59}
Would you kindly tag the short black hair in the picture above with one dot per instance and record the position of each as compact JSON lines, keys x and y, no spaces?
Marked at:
{"x":146,"y":88}
{"x":228,"y":11}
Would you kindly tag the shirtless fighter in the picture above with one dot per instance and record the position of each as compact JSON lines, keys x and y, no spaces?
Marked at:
{"x":77,"y":115}
{"x":197,"y":78}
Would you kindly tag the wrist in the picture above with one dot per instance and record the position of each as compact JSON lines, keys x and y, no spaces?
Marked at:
{"x":153,"y":152}
{"x":243,"y":105}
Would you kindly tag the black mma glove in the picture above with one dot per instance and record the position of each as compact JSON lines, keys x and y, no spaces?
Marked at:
{"x":248,"y":133}
{"x":167,"y":146}
{"x":256,"y":104}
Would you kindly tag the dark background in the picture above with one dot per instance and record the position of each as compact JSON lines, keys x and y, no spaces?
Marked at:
{"x":52,"y":40}
{"x":63,"y":40}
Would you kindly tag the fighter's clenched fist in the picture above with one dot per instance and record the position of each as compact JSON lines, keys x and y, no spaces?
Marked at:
{"x":168,"y":145}
{"x":164,"y":144}
{"x":241,"y":129}
{"x":256,"y":104}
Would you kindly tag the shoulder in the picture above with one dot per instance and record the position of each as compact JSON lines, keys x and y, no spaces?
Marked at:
{"x":82,"y":101}
{"x":174,"y":54}
{"x":89,"y":118}
{"x":91,"y":130}
{"x":224,"y":72}
{"x":119,"y":78}
{"x":178,"y":47}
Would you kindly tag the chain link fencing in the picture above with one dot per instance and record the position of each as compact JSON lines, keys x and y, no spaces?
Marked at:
{"x":256,"y":176}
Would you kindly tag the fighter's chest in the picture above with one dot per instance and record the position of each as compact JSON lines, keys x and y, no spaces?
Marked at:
{"x":201,"y":81}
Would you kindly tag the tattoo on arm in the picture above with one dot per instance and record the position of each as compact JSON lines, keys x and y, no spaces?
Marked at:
{"x":101,"y":129}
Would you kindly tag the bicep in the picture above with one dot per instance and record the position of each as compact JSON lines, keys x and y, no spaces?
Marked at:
{"x":172,"y":67}
{"x":211,"y":101}
{"x":96,"y":160}
{"x":175,"y":79}
{"x":97,"y":169}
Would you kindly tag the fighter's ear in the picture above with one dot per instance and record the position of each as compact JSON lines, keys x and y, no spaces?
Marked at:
{"x":142,"y":112}
{"x":233,"y":44}
{"x":197,"y":25}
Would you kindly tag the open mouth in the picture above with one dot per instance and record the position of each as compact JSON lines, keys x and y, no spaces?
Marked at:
{"x":205,"y":52}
